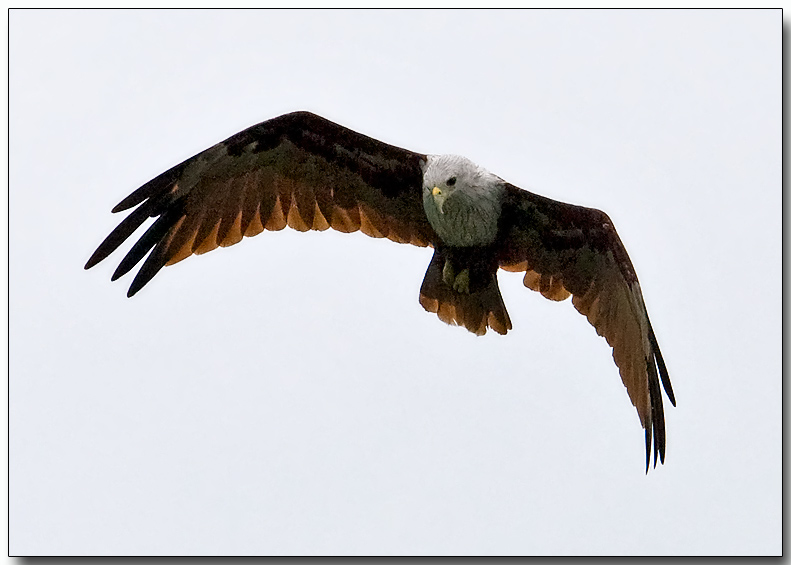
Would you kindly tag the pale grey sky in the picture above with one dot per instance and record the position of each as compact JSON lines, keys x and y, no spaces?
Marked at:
{"x":289,"y":395}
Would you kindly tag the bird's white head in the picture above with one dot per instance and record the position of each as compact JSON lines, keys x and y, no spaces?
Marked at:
{"x":447,"y":174}
{"x":462,"y":200}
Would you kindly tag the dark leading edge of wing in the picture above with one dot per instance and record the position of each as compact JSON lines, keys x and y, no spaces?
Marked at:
{"x":571,"y":250}
{"x":298,"y":169}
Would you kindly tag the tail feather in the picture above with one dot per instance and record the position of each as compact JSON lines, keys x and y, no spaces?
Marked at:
{"x":478,"y":310}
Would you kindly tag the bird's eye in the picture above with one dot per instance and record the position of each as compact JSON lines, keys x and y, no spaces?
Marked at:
{"x":451,"y":181}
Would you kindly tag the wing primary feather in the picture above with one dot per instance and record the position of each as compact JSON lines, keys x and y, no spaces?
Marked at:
{"x":126,"y":228}
{"x":157,"y":185}
{"x":152,"y":236}
{"x":657,"y":413}
{"x":663,"y":374}
{"x":155,"y":261}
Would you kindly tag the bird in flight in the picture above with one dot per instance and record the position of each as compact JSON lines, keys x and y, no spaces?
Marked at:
{"x":306,"y":172}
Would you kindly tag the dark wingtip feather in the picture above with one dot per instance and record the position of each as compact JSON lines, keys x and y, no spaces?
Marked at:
{"x":656,"y":452}
{"x":663,"y":374}
{"x":660,"y":362}
{"x":138,"y":196}
{"x":657,"y":412}
{"x":141,"y":279}
{"x":137,"y":284}
{"x":153,"y":235}
{"x":152,"y":265}
{"x":119,"y":272}
{"x":158,"y":185}
{"x":119,"y":234}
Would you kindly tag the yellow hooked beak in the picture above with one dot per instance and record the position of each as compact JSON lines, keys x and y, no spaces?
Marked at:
{"x":436,"y":191}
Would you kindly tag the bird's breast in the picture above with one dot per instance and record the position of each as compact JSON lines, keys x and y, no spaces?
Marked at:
{"x":464,"y":220}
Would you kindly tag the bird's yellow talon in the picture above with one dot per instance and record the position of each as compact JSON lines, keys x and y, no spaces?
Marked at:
{"x":462,"y":282}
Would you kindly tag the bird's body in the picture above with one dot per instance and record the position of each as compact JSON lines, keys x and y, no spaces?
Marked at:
{"x":305,"y":172}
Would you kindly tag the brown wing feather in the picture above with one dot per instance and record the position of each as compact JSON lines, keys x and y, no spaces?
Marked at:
{"x":298,"y":170}
{"x":570,"y":250}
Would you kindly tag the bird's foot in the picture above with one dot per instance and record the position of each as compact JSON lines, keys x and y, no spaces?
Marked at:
{"x":462,"y":282}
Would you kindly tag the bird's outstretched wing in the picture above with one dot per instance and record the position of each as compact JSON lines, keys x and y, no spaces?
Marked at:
{"x":298,"y":170}
{"x":571,"y":250}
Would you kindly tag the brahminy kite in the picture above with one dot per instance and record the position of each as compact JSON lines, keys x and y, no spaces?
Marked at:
{"x":303,"y":171}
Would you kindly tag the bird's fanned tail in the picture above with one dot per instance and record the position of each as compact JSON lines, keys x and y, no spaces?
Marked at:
{"x":480,"y":308}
